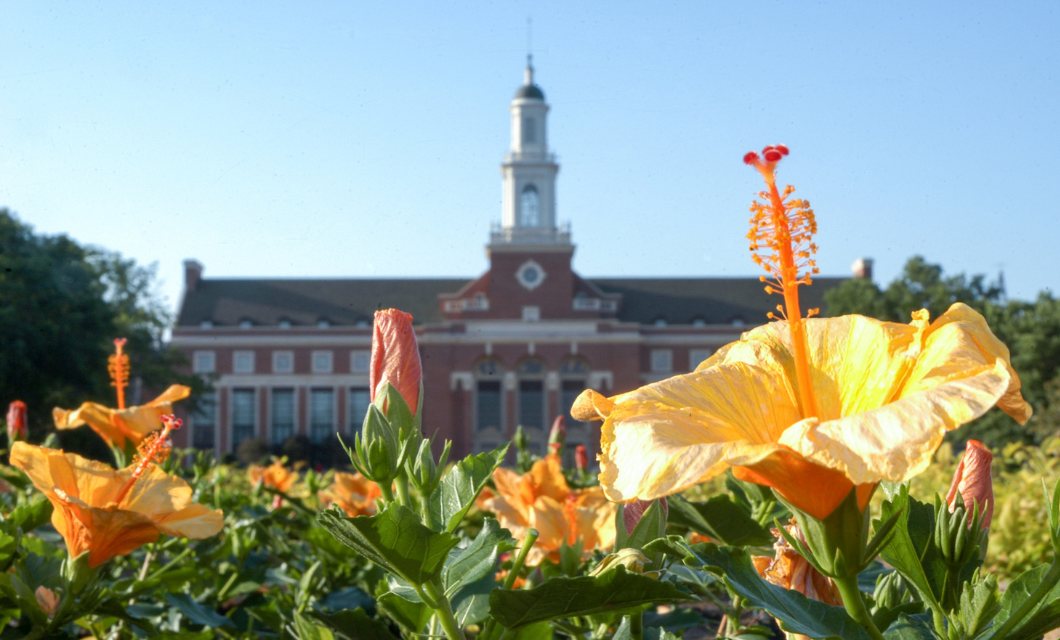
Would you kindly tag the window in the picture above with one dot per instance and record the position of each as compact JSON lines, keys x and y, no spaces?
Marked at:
{"x":660,"y":322}
{"x":284,"y":324}
{"x":204,"y":422}
{"x":360,"y":398}
{"x":531,"y":314}
{"x":322,"y":361}
{"x":529,"y":207}
{"x":282,"y":415}
{"x":531,"y":405}
{"x":321,"y":415}
{"x":204,"y":362}
{"x":695,"y":356}
{"x":323,"y":323}
{"x":246,"y":324}
{"x":282,"y":362}
{"x":488,"y":404}
{"x":243,"y":416}
{"x":662,"y":360}
{"x":360,"y":361}
{"x":529,"y":131}
{"x":206,"y":324}
{"x":243,"y":362}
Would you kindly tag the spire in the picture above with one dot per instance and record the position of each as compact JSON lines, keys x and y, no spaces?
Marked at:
{"x":528,"y":77}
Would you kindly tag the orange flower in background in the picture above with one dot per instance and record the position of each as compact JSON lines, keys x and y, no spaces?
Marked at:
{"x":791,"y":571}
{"x":973,"y":481}
{"x":810,"y":407}
{"x":396,"y":356}
{"x":541,"y":499}
{"x":16,"y":421}
{"x":355,"y":494}
{"x":110,"y":512}
{"x":275,"y":476}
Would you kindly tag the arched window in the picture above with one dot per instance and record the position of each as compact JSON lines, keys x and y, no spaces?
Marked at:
{"x":529,"y":207}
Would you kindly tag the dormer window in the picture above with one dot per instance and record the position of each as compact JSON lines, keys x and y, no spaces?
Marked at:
{"x":285,"y":324}
{"x":660,"y":322}
{"x":323,"y":323}
{"x":206,"y":324}
{"x":529,"y":207}
{"x":246,"y":324}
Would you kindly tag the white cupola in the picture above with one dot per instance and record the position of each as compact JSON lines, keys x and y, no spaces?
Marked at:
{"x":528,"y":214}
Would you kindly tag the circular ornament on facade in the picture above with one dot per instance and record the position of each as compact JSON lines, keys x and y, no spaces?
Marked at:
{"x":530,"y":275}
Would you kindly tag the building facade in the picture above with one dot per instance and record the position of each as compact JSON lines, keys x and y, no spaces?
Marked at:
{"x":514,"y":346}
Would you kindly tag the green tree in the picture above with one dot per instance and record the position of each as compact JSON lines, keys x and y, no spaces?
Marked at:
{"x":1031,"y":330}
{"x":61,"y":306}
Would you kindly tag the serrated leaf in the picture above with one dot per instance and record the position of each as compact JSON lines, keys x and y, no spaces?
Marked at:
{"x":614,"y":591}
{"x":353,"y":624}
{"x":310,"y":630}
{"x":907,"y":628}
{"x":721,"y":519}
{"x":909,"y":543}
{"x":458,"y":489}
{"x":795,"y":612}
{"x":28,"y":516}
{"x":197,"y":612}
{"x":479,"y":558}
{"x":411,"y":617}
{"x":979,"y":604}
{"x":471,"y":604}
{"x":1044,"y":617}
{"x":394,"y":539}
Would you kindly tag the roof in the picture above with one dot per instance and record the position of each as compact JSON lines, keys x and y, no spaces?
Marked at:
{"x":712,"y":300}
{"x":306,"y":302}
{"x":531,"y":91}
{"x":227,"y":302}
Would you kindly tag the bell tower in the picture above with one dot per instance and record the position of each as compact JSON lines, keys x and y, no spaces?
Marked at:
{"x":528,"y":210}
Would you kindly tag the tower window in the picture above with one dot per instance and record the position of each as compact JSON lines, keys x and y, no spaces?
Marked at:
{"x":529,"y":131}
{"x":529,"y":207}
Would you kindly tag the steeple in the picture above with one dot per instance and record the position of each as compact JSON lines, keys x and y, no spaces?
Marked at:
{"x":528,"y":210}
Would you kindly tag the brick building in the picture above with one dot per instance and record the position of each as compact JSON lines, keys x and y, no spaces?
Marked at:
{"x":513,"y":346}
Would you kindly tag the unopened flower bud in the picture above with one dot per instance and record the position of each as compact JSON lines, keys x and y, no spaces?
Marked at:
{"x":47,"y":601}
{"x":558,"y":435}
{"x":974,"y":483}
{"x":581,"y":458}
{"x":16,"y":421}
{"x":423,"y":470}
{"x":634,"y":511}
{"x":379,"y":451}
{"x":396,"y":357}
{"x":520,"y":439}
{"x":632,"y":559}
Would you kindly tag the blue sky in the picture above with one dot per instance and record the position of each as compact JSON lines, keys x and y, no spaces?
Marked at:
{"x":364,"y":139}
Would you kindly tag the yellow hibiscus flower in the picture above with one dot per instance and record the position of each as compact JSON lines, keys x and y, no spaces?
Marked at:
{"x":810,"y":407}
{"x":110,"y":512}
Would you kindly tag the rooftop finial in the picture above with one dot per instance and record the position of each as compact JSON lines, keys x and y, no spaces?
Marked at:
{"x":529,"y":77}
{"x":529,"y":54}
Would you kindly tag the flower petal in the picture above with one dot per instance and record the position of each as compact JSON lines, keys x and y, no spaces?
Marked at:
{"x":895,"y":442}
{"x":670,"y":435}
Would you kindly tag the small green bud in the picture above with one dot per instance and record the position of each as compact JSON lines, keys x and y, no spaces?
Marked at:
{"x":379,"y":452}
{"x":520,"y":439}
{"x":632,"y":559}
{"x":890,"y":591}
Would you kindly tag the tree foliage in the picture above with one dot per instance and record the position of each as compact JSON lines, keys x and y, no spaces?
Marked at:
{"x":1030,"y":329}
{"x":61,"y":306}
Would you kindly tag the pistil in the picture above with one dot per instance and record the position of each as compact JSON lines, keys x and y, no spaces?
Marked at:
{"x":154,"y":448}
{"x":118,"y":367}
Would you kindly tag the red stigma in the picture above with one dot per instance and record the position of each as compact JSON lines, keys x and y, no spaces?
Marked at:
{"x":120,"y":342}
{"x":772,"y":155}
{"x":783,"y":149}
{"x":172,"y":421}
{"x":750,"y":157}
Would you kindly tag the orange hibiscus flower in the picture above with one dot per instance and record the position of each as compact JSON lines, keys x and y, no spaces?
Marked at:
{"x":354,"y":494}
{"x":275,"y":476}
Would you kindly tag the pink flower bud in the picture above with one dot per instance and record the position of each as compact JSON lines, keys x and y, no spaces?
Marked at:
{"x":558,"y":435}
{"x":16,"y":421}
{"x":47,"y":601}
{"x":634,"y":510}
{"x":581,"y":458}
{"x":974,"y":482}
{"x":395,"y":356}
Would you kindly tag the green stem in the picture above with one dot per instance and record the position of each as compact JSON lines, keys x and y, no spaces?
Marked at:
{"x":1035,"y":599}
{"x":509,"y":580}
{"x":734,"y":617}
{"x":855,"y":605}
{"x":402,"y":484}
{"x":388,"y":493}
{"x":183,"y":554}
{"x":636,"y":625}
{"x":436,"y":600}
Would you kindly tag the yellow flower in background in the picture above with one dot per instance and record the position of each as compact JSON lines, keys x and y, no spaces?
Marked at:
{"x":110,"y":512}
{"x":355,"y":494}
{"x":116,"y":426}
{"x":541,"y":499}
{"x":275,"y":476}
{"x":810,"y":407}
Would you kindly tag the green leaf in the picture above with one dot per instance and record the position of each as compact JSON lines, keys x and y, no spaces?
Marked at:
{"x":1044,"y":617}
{"x":197,"y":612}
{"x":795,"y":612}
{"x":979,"y":605}
{"x":907,"y":628}
{"x":309,"y":630}
{"x":614,"y":591}
{"x":650,"y":633}
{"x":910,"y":542}
{"x":538,"y":631}
{"x":478,"y":559}
{"x":353,"y":624}
{"x":471,"y":604}
{"x":459,"y":488}
{"x":410,"y":616}
{"x":394,"y":539}
{"x":651,"y":526}
{"x":721,"y":519}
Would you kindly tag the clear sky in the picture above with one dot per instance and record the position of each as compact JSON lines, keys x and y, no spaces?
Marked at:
{"x":363,"y":139}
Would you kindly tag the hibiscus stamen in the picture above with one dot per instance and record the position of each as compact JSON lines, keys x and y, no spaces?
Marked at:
{"x":782,"y":243}
{"x":155,"y":448}
{"x":118,"y":367}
